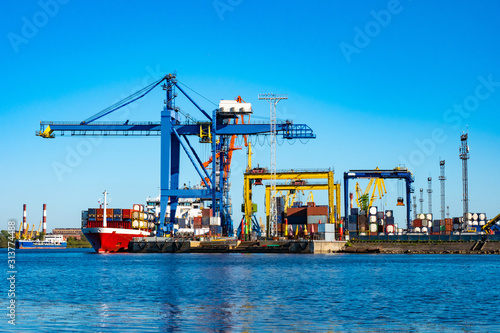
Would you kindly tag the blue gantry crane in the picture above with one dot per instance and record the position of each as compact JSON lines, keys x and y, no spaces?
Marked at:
{"x":216,"y":130}
{"x":397,"y":173}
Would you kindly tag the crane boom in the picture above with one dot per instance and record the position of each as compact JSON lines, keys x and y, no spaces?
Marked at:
{"x":490,"y":223}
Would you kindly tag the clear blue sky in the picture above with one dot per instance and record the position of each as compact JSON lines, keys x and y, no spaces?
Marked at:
{"x":373,"y":79}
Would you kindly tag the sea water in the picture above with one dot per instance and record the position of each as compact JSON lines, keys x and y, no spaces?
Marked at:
{"x":78,"y":290}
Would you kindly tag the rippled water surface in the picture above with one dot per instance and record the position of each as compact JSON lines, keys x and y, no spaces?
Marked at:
{"x":77,"y":290}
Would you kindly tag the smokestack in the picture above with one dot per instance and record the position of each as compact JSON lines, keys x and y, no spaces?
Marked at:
{"x":45,"y":218}
{"x":24,"y":219}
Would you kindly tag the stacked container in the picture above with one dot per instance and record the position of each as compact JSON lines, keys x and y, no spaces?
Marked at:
{"x":389,"y":222}
{"x":326,"y":231}
{"x":372,"y":221}
{"x":362,"y":222}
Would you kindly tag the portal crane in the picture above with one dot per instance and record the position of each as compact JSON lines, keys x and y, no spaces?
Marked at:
{"x":18,"y":234}
{"x":31,"y":233}
{"x":39,"y":228}
{"x":397,"y":173}
{"x":173,"y":133}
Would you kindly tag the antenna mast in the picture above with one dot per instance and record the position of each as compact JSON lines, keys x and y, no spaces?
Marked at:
{"x":464,"y":156}
{"x":273,"y":100}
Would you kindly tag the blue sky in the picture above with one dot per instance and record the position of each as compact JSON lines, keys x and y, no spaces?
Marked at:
{"x":374,"y":80}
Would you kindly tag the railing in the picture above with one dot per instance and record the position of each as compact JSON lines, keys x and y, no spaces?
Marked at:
{"x":109,"y":224}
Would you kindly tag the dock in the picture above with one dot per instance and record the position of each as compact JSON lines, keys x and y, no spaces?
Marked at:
{"x":168,"y":245}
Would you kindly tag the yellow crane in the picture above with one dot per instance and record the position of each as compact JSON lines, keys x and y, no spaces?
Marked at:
{"x":25,"y":232}
{"x":378,"y":188}
{"x":39,"y":228}
{"x":18,"y":234}
{"x":31,"y":233}
{"x":310,"y":197}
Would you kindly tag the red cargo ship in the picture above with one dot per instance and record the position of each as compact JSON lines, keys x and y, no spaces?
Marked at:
{"x":110,"y":230}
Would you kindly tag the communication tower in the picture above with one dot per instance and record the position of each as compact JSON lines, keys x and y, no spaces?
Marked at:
{"x":429,"y":191}
{"x":464,"y":156}
{"x":421,"y":201}
{"x":273,"y":100}
{"x":442,"y":179}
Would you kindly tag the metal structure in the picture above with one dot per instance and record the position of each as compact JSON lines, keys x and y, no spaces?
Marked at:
{"x":255,"y":175}
{"x":397,"y":173}
{"x":421,"y":201}
{"x":429,"y":192}
{"x":491,"y":223}
{"x":414,"y":207}
{"x":378,"y":187}
{"x":273,"y":100}
{"x":464,"y":156}
{"x":442,"y":179}
{"x":448,"y":211}
{"x":335,"y":191}
{"x":215,"y":130}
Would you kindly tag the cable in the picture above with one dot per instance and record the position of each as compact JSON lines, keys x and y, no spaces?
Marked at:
{"x":197,"y":93}
{"x":124,"y":102}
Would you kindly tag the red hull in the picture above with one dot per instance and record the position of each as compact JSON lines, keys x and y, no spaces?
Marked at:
{"x":105,"y":240}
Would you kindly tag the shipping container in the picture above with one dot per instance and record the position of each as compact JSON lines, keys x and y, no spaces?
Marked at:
{"x":317,"y":210}
{"x":315,"y":219}
{"x":126,"y":214}
{"x":354,"y":211}
{"x":417,"y":223}
{"x":326,"y":227}
{"x":301,"y":211}
{"x":373,"y":210}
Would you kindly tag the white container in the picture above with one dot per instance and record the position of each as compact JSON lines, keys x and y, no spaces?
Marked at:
{"x":429,"y":217}
{"x":326,"y":227}
{"x":373,"y":210}
{"x":136,"y":207}
{"x":469,"y":216}
{"x":327,"y":236}
{"x":373,"y":219}
{"x":421,"y":216}
{"x":136,"y":215}
{"x":390,"y":228}
{"x":214,"y":220}
{"x":373,"y":227}
{"x":481,"y":223}
{"x":135,"y":224}
{"x":475,"y":217}
{"x":429,"y":224}
{"x":475,"y":222}
{"x":417,"y":229}
{"x":482,"y":216}
{"x":424,"y":230}
{"x":388,"y":213}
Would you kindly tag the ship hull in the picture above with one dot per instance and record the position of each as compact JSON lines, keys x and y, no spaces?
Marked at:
{"x":106,"y":240}
{"x":34,"y":246}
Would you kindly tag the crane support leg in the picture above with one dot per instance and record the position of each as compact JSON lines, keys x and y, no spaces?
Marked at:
{"x":331,"y":213}
{"x":408,"y":203}
{"x":174,"y":176}
{"x":166,"y":127}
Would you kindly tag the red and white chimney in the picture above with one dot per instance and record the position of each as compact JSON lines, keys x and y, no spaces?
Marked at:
{"x":24,"y":220}
{"x":45,"y":218}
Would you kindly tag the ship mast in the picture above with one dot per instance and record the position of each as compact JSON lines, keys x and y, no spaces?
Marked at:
{"x":104,"y":224}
